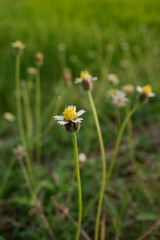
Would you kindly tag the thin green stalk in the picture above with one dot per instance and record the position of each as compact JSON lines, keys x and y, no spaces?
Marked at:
{"x":103,"y":163}
{"x":29,"y":121}
{"x":79,"y":186}
{"x":38,"y":116}
{"x":130,"y":137}
{"x":118,"y":142}
{"x":20,"y":120}
{"x":6,"y":176}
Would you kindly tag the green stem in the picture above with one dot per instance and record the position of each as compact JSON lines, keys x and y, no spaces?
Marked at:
{"x":130,"y":137}
{"x":28,"y":112}
{"x":103,"y":163}
{"x":118,"y":141}
{"x":79,"y":186}
{"x":20,"y":120}
{"x":38,"y":116}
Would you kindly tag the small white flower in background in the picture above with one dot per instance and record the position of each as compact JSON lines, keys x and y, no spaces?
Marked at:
{"x":70,"y":118}
{"x":119,"y":99}
{"x":61,"y":47}
{"x":82,"y":158}
{"x":9,"y":117}
{"x":18,"y":47}
{"x":19,"y":152}
{"x":31,"y":71}
{"x":86,"y":79}
{"x":128,"y":89}
{"x":113,"y":78}
{"x":145,"y":92}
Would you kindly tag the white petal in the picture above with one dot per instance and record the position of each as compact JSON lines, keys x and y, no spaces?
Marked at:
{"x":139,"y":89}
{"x":151,"y":94}
{"x":62,"y":122}
{"x":94,"y":78}
{"x":58,"y":117}
{"x":79,"y":113}
{"x":78,"y":80}
{"x":78,"y":120}
{"x":74,"y":108}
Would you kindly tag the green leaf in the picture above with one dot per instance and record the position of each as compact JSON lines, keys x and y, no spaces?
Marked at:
{"x":21,"y":200}
{"x":146,"y":216}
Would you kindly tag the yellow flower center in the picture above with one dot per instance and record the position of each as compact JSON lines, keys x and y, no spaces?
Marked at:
{"x":69,"y":114}
{"x":147,"y":89}
{"x":84,"y":74}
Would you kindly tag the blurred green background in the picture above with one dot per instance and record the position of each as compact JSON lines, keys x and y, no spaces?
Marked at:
{"x":42,"y":25}
{"x":112,"y":36}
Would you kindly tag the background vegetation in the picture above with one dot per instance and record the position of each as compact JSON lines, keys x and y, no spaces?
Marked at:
{"x":113,"y":36}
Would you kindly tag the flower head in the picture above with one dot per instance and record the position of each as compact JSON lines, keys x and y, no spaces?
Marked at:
{"x":39,"y":59}
{"x":86,"y":79}
{"x":128,"y":89}
{"x":67,"y":77}
{"x":111,"y":92}
{"x":119,"y":99}
{"x":82,"y":158}
{"x":113,"y":78}
{"x":70,"y":118}
{"x":19,"y":152}
{"x":31,"y":71}
{"x":145,"y":92}
{"x":18,"y":47}
{"x":9,"y":117}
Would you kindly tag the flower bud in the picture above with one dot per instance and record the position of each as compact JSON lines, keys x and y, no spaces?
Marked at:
{"x":39,"y":59}
{"x":18,"y":47}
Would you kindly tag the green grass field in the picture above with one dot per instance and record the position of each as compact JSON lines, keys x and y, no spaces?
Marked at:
{"x":112,"y":36}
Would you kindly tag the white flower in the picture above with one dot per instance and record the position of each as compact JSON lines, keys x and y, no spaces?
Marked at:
{"x":146,"y":91}
{"x":9,"y":117}
{"x":113,"y":78}
{"x":119,"y":99}
{"x":69,"y":115}
{"x":82,"y":158}
{"x":19,"y":152}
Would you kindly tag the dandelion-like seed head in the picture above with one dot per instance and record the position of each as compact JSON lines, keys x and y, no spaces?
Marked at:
{"x":18,"y":47}
{"x":113,"y":79}
{"x":86,"y":79}
{"x":145,"y":92}
{"x":119,"y":99}
{"x":70,"y":119}
{"x":39,"y":59}
{"x":9,"y":117}
{"x":19,"y":152}
{"x":128,"y":89}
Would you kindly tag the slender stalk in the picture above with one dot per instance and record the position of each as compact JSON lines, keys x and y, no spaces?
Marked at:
{"x":38,"y":116}
{"x":79,"y":185}
{"x":103,"y":164}
{"x":130,"y":137}
{"x":37,"y":202}
{"x":20,"y":120}
{"x":29,"y":121}
{"x":118,"y":142}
